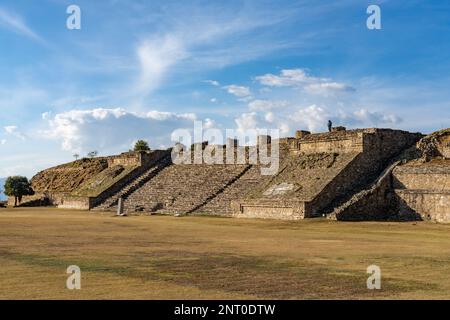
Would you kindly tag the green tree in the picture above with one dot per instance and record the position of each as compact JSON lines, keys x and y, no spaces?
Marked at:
{"x":141,"y":145}
{"x":18,"y":187}
{"x":92,"y":154}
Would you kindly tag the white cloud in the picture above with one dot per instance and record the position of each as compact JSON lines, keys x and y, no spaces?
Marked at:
{"x":209,"y":123}
{"x":287,"y":78}
{"x":156,"y":56}
{"x":162,"y":116}
{"x":10,"y":129}
{"x":3,"y":141}
{"x":269,"y":117}
{"x":183,"y":43}
{"x":46,"y":115}
{"x":113,"y":130}
{"x":285,"y":129}
{"x":17,"y":24}
{"x":238,"y":91}
{"x":212,"y":82}
{"x":342,"y":110}
{"x":261,"y":123}
{"x":327,"y":87}
{"x":202,"y":41}
{"x":299,"y":78}
{"x":313,"y":118}
{"x":14,"y":131}
{"x":266,"y":104}
{"x":364,"y":116}
{"x":213,"y":100}
{"x":246,"y":121}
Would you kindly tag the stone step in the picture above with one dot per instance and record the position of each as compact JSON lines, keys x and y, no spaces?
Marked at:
{"x":180,"y":189}
{"x":111,"y":202}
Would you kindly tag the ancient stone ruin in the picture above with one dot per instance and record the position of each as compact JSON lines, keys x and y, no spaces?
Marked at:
{"x":363,"y":174}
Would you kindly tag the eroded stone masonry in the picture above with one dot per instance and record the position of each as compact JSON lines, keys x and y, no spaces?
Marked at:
{"x":363,"y":174}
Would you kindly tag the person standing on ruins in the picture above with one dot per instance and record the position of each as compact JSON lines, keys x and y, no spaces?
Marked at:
{"x":330,"y":125}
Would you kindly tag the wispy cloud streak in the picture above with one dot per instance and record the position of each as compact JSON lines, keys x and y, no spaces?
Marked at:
{"x":17,"y":24}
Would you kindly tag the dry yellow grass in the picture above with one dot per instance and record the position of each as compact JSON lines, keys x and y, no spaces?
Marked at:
{"x":161,"y":257}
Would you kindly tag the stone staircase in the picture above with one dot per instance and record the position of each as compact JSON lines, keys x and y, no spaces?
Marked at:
{"x":220,"y":204}
{"x":370,"y":191}
{"x":182,"y":189}
{"x":110,"y":203}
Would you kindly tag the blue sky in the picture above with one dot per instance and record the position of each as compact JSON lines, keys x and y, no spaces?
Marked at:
{"x":141,"y":69}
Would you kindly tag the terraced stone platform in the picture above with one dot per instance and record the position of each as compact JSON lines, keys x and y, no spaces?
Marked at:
{"x":362,"y":174}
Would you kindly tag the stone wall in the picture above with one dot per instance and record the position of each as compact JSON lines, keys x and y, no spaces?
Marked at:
{"x":373,"y":140}
{"x":380,"y":146}
{"x":284,"y":210}
{"x":423,"y":190}
{"x":374,"y":203}
{"x":426,"y":205}
{"x":424,"y":177}
{"x":125,"y":159}
{"x":383,"y":144}
{"x":72,"y":202}
{"x":415,"y":190}
{"x":133,"y":158}
{"x":335,"y":142}
{"x":325,"y":170}
{"x":40,"y":199}
{"x":445,"y":149}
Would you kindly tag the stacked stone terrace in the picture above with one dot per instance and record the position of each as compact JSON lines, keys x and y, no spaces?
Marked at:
{"x":363,"y":174}
{"x":181,"y":189}
{"x":52,"y":185}
{"x":220,"y":204}
{"x":423,"y":190}
{"x":422,"y":186}
{"x":323,"y":171}
{"x":193,"y":188}
{"x":414,"y":187}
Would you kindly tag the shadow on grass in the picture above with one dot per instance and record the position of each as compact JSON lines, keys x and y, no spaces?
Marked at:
{"x":263,"y":277}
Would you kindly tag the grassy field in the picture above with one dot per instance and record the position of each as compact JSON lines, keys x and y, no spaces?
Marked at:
{"x":216,"y":258}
